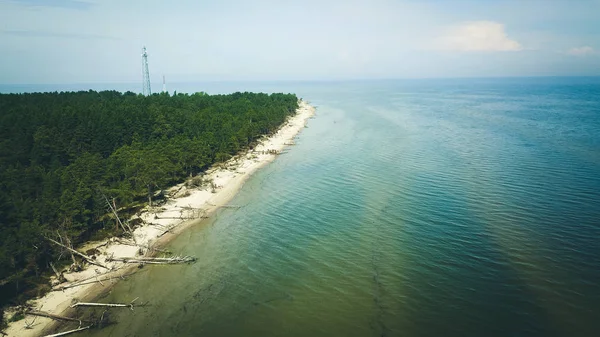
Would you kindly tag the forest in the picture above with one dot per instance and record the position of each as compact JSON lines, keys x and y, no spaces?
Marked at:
{"x":62,"y":153}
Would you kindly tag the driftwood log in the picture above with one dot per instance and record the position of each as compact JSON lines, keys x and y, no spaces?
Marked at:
{"x":69,"y":332}
{"x":108,"y":305}
{"x":56,"y":317}
{"x":155,"y":260}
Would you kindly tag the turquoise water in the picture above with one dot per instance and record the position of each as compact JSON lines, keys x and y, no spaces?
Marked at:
{"x":407,"y":208}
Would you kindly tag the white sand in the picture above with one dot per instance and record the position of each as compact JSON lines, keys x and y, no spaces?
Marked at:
{"x":187,"y":203}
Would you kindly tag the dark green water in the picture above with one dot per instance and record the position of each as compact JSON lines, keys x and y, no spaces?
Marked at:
{"x":419,"y":208}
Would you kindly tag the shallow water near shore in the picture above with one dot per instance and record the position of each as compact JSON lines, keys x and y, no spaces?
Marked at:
{"x":406,"y":208}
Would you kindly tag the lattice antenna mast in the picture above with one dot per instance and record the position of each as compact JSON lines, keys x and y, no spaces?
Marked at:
{"x":164,"y":84}
{"x":146,"y":91}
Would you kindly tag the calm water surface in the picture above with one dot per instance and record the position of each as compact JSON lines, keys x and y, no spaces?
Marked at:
{"x":407,"y":208}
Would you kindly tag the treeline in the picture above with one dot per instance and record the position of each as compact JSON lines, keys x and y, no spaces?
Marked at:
{"x":60,"y":153}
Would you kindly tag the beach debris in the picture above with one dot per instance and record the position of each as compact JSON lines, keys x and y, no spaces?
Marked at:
{"x":60,"y":277}
{"x":154,"y":260}
{"x":268,"y":151}
{"x":90,"y":280}
{"x":223,"y":206}
{"x":57,"y":317}
{"x":129,"y":305}
{"x":30,"y":325}
{"x":168,"y":229}
{"x":85,"y":257}
{"x":113,"y":209}
{"x":69,"y":332}
{"x":213,"y":186}
{"x":175,"y":217}
{"x":150,"y":248}
{"x":75,"y":267}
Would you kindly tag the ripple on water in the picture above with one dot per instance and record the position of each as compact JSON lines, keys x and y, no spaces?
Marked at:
{"x":453,"y":210}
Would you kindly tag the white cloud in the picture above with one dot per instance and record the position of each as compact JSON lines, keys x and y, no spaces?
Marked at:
{"x":582,"y":51}
{"x":477,"y":36}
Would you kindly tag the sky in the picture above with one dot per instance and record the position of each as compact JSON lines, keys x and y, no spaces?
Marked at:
{"x":100,"y":41}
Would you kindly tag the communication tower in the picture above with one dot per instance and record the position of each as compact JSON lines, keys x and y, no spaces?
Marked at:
{"x":164,"y":84}
{"x":146,"y":74}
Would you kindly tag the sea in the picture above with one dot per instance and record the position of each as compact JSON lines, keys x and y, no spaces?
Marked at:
{"x":432,"y":207}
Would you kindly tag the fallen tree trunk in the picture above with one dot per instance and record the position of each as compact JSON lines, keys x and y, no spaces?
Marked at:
{"x":85,"y":257}
{"x":56,"y":317}
{"x":76,"y":266}
{"x":13,"y":277}
{"x":59,"y":277}
{"x":107,"y":305}
{"x":90,"y":281}
{"x":224,"y":206}
{"x":124,"y":242}
{"x":119,"y":219}
{"x":167,"y":230}
{"x":154,"y":260}
{"x":96,"y":276}
{"x":174,"y":258}
{"x":68,"y":332}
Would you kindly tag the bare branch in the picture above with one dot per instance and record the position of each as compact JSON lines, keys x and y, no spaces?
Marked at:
{"x":68,"y":332}
{"x":56,"y":317}
{"x":87,"y":258}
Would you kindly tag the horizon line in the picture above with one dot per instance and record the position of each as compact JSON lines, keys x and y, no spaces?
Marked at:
{"x":312,"y":80}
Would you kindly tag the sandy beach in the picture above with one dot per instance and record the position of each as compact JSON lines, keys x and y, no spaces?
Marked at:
{"x":185,"y":204}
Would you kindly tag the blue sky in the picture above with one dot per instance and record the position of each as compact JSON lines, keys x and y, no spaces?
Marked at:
{"x":100,"y":41}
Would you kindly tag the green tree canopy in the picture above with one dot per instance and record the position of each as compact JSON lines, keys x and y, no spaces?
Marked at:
{"x":59,"y":152}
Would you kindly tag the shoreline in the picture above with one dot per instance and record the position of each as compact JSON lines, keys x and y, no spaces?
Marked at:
{"x":185,"y":206}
